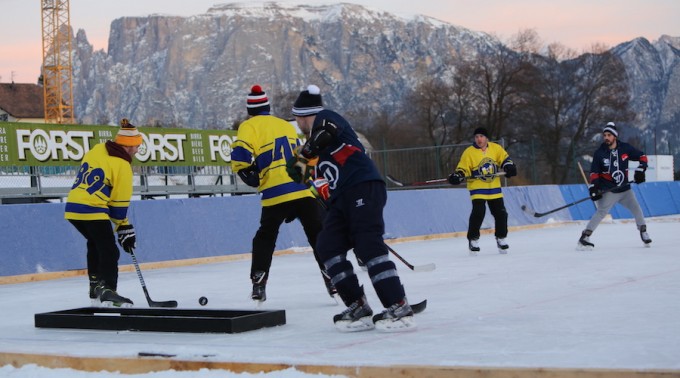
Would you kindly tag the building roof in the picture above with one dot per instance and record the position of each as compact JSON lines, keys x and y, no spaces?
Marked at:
{"x":22,"y":100}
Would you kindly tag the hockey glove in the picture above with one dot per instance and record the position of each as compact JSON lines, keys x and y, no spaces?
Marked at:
{"x":299,"y":168}
{"x":639,"y":176}
{"x":250,"y":175}
{"x":510,"y":170}
{"x":320,"y":188}
{"x":127,"y":238}
{"x":595,"y":193}
{"x":456,"y":178}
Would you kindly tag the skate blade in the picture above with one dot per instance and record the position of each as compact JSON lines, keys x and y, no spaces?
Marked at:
{"x":474,"y":253}
{"x":580,"y":247}
{"x":363,"y":324}
{"x":405,"y":324}
{"x":110,"y":304}
{"x":503,"y":251}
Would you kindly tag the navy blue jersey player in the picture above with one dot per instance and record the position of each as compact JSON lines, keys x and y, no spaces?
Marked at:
{"x":354,"y":218}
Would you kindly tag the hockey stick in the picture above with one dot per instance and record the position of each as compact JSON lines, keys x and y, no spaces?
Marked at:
{"x":438,"y":181}
{"x":419,"y":268}
{"x":538,"y":215}
{"x":416,"y":268}
{"x":151,"y":303}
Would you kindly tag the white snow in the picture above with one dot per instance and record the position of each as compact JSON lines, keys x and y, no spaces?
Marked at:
{"x":542,"y":305}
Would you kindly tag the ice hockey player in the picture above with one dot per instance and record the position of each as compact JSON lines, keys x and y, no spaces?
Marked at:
{"x":609,"y":183}
{"x":354,"y":218}
{"x":481,"y":161}
{"x":99,"y":197}
{"x":259,"y":154}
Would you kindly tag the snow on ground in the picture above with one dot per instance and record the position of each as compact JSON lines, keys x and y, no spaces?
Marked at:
{"x":542,"y":305}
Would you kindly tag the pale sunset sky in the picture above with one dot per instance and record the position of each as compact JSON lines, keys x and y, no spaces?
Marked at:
{"x":578,"y":24}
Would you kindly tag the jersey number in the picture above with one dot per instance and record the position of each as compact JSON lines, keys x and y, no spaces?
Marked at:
{"x":94,"y":179}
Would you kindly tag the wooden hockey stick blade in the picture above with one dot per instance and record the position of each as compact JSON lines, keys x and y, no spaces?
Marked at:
{"x":419,"y":307}
{"x":424,"y":268}
{"x":164,"y":304}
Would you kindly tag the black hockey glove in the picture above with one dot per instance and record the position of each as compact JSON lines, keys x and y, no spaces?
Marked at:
{"x":595,"y":193}
{"x":510,"y":170}
{"x":127,"y":238}
{"x":639,"y":176}
{"x":250,"y":176}
{"x":456,"y":178}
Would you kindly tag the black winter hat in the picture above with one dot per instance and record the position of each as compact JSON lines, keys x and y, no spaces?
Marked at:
{"x":611,"y":127}
{"x":481,"y":130}
{"x":257,"y":101}
{"x":308,"y":102}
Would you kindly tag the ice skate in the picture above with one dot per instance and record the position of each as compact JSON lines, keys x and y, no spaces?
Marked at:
{"x":110,"y":298}
{"x":584,"y":243}
{"x":645,"y":236}
{"x":259,"y":293}
{"x":502,"y":246}
{"x":396,"y":318}
{"x":473,"y":245}
{"x":357,"y":317}
{"x":94,"y":300}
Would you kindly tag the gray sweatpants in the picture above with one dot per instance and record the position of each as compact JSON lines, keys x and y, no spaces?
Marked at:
{"x":609,"y":199}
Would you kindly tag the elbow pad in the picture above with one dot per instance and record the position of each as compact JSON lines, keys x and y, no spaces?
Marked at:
{"x":320,"y":139}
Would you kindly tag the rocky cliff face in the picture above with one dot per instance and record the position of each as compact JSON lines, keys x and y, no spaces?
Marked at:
{"x":654,"y":79}
{"x":195,"y":71}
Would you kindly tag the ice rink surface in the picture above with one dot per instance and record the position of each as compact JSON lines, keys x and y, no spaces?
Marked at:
{"x":544,"y":304}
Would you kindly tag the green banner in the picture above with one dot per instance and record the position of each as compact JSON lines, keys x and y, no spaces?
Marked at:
{"x":24,"y":144}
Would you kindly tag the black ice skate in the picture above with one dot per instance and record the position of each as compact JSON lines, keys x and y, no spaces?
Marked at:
{"x":93,"y":296}
{"x":396,"y":318}
{"x":259,"y":283}
{"x":584,"y":243}
{"x":357,"y":317}
{"x":473,"y":245}
{"x":502,"y":246}
{"x":109,"y":297}
{"x":644,"y":235}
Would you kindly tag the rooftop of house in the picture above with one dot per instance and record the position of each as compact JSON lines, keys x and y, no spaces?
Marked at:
{"x":22,"y":100}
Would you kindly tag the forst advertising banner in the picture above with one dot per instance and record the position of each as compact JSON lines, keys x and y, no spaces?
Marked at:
{"x":59,"y":145}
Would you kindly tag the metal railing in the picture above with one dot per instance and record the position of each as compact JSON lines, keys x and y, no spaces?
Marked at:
{"x":38,"y":184}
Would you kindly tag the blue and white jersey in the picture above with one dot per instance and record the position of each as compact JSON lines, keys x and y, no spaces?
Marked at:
{"x":343,"y":162}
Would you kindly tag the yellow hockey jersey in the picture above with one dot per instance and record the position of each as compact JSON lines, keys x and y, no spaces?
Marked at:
{"x":475,"y":162}
{"x":268,"y":141}
{"x":103,"y":187}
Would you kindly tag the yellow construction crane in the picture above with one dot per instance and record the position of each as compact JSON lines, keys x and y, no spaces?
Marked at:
{"x":56,"y":48}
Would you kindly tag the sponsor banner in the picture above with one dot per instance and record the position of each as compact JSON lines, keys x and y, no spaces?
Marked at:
{"x":58,"y":145}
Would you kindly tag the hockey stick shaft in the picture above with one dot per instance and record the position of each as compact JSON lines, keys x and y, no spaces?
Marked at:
{"x":439,"y":180}
{"x":416,"y":268}
{"x":146,"y":292}
{"x":538,"y":215}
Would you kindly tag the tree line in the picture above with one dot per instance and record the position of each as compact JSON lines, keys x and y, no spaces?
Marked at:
{"x":547,"y":103}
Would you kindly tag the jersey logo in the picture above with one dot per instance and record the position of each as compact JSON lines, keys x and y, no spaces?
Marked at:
{"x":330,"y":172}
{"x":360,"y":202}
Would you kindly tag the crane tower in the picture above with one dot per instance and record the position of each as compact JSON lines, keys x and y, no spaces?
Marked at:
{"x":56,"y":49}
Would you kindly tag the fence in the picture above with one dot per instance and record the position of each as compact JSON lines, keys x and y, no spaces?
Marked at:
{"x":38,"y":184}
{"x":419,"y":163}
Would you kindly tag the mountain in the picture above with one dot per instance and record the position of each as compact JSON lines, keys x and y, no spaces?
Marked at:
{"x":653,"y":71}
{"x":196,"y":71}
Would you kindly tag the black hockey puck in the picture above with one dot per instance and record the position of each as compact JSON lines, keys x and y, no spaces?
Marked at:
{"x":203,"y":301}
